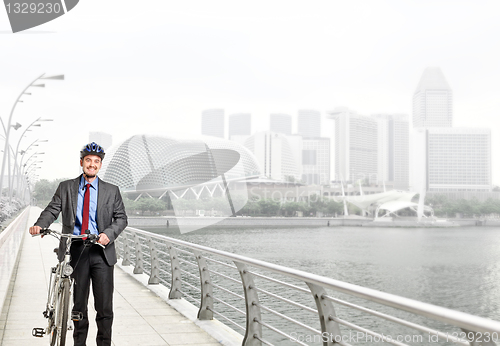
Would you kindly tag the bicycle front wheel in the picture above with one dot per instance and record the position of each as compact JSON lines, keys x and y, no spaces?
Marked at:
{"x":51,"y":306}
{"x":62,"y":312}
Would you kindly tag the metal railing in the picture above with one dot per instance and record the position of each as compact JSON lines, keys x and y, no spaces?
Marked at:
{"x":10,"y":243}
{"x":271,"y":303}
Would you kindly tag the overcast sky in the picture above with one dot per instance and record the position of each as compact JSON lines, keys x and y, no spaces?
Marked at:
{"x":152,"y":66}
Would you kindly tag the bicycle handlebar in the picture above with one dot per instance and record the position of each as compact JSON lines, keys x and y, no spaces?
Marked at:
{"x":92,"y":238}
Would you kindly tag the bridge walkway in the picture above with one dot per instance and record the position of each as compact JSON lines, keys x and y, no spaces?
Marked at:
{"x":141,"y":317}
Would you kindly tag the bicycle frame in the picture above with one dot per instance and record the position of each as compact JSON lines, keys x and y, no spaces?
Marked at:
{"x":59,"y":292}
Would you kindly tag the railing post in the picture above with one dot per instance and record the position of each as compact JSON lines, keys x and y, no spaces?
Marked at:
{"x":326,"y":312}
{"x":154,"y":279}
{"x":477,"y":338}
{"x":139,"y":258}
{"x":175,"y":289}
{"x":117,"y":248}
{"x":207,"y":302}
{"x":253,"y":328}
{"x":126,"y":252}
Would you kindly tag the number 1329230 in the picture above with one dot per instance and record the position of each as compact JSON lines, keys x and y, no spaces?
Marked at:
{"x":23,"y":7}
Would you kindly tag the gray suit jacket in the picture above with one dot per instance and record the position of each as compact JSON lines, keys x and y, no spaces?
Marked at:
{"x":111,"y":217}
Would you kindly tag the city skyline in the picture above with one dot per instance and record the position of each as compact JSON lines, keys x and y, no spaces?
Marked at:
{"x":216,"y":56}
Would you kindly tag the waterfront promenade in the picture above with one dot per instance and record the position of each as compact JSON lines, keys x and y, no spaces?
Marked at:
{"x":141,"y":316}
{"x":146,"y":316}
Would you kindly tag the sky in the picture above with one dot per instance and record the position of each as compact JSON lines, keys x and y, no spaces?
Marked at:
{"x":152,"y":66}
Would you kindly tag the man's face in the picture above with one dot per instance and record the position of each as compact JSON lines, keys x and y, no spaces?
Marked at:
{"x":91,"y":164}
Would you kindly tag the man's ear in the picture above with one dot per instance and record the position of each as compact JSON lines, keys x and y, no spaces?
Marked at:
{"x":81,"y":162}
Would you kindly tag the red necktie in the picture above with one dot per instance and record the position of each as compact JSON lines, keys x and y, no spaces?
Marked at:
{"x":86,"y":203}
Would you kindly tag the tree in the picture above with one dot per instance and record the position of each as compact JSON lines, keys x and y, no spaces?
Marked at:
{"x":332,"y":207}
{"x":251,"y":208}
{"x":439,"y":203}
{"x":269,"y":207}
{"x":130,"y":205}
{"x":289,"y":208}
{"x":44,"y":190}
{"x":490,"y":206}
{"x":151,"y":205}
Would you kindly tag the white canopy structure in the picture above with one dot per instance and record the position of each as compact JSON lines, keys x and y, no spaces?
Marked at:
{"x":390,"y":201}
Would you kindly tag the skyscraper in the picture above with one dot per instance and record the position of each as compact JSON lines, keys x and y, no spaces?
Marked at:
{"x":393,"y":149}
{"x":316,"y":161}
{"x":444,"y":158}
{"x":309,"y":123}
{"x":239,"y":124}
{"x":451,"y":159}
{"x":356,"y":139}
{"x":280,"y":123}
{"x":278,"y":155}
{"x":105,"y":140}
{"x":212,"y":123}
{"x":432,"y":100}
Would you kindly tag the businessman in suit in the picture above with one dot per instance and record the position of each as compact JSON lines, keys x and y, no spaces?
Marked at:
{"x":89,"y":203}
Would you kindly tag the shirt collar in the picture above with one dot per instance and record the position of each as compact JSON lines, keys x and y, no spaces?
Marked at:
{"x":84,"y":182}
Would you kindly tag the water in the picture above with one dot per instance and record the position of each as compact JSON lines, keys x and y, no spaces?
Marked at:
{"x":457,"y":268}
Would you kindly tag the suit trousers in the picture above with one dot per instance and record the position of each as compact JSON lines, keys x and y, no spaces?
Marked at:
{"x":89,"y":265}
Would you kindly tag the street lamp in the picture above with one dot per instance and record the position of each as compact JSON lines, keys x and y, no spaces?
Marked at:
{"x":9,"y":123}
{"x":11,"y":179}
{"x":30,"y":178}
{"x":22,"y":170}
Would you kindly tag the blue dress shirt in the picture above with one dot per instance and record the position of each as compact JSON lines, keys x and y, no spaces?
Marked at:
{"x":94,"y":190}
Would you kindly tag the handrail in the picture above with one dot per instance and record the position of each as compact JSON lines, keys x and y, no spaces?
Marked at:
{"x":10,"y":243}
{"x":471,"y":327}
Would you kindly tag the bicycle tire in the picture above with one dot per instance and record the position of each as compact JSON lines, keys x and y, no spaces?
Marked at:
{"x":62,"y":312}
{"x":51,"y":308}
{"x":53,"y":332}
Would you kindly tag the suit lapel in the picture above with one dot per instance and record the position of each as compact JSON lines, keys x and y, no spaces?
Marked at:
{"x":100,"y":201}
{"x":74,"y":195}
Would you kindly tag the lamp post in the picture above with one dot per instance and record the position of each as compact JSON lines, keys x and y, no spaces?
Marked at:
{"x":22,"y":169}
{"x":23,"y":152}
{"x":9,"y":122}
{"x":31,"y":178}
{"x":11,"y":177}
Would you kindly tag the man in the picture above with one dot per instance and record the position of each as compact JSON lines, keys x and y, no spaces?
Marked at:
{"x":89,"y":203}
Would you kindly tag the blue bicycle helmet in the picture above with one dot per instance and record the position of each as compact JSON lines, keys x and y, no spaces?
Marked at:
{"x":92,"y":149}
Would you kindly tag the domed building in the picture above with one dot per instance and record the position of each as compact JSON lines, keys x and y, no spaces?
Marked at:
{"x":156,"y":164}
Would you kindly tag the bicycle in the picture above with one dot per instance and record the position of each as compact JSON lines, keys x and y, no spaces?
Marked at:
{"x":60,"y":289}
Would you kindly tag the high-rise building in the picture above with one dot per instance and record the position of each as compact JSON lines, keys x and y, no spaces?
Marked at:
{"x":444,"y":158}
{"x":356,"y":136}
{"x":393,"y":149}
{"x":433,"y":100}
{"x":105,"y":140}
{"x":278,"y":155}
{"x":280,"y":123}
{"x":451,"y":159}
{"x":316,"y":161}
{"x":240,"y":125}
{"x":309,"y":123}
{"x":212,"y":122}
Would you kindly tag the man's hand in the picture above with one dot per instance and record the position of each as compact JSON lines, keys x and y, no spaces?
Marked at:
{"x":35,"y":230}
{"x":103,"y":239}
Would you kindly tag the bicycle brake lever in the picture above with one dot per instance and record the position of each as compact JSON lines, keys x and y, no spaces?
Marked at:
{"x":97,"y":241}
